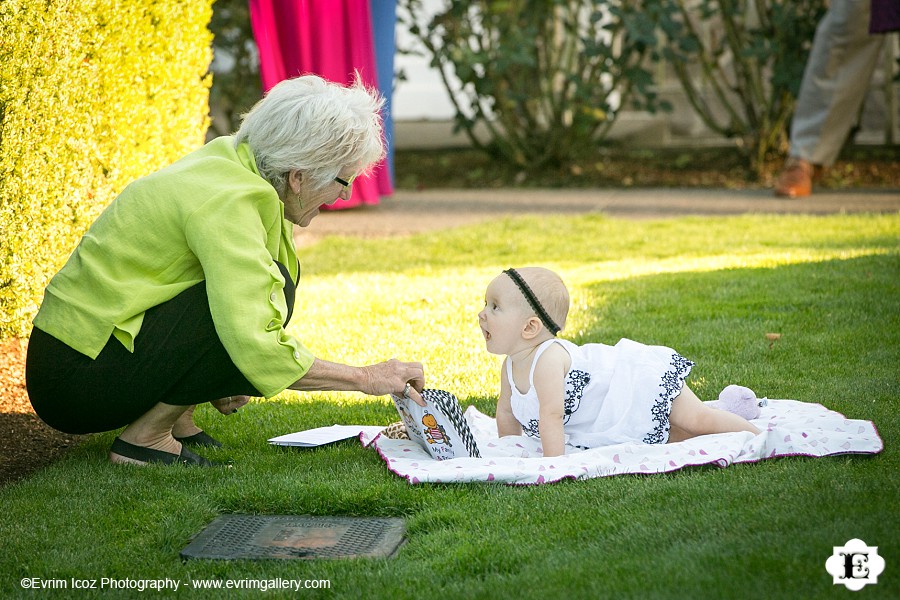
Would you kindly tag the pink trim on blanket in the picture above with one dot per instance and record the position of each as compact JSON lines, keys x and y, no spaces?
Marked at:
{"x":522,"y":465}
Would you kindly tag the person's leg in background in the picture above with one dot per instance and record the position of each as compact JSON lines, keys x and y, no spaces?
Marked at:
{"x":834,"y":86}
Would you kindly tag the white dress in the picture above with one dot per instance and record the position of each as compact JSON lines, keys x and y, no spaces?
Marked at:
{"x":613,"y":394}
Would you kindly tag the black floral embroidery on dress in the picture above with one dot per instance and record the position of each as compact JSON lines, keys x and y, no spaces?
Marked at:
{"x":532,"y":428}
{"x":576,"y":381}
{"x":575,"y":384}
{"x":672,"y":382}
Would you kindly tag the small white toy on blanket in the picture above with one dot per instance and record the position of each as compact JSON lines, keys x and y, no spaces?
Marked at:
{"x":741,"y":401}
{"x":789,"y":428}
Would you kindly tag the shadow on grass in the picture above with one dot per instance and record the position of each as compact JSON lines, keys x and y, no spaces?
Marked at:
{"x":838,"y":321}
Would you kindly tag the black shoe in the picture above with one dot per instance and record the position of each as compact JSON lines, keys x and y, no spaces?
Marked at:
{"x":149,"y":455}
{"x":200,"y":439}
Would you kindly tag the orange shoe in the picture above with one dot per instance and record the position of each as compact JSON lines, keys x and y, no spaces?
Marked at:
{"x":796,"y":179}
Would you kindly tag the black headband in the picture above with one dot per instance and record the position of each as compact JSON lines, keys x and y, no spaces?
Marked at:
{"x":533,"y":301}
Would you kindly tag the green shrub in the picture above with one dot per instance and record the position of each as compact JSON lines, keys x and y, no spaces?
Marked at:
{"x":545,"y":78}
{"x":93,"y":94}
{"x":739,"y":62}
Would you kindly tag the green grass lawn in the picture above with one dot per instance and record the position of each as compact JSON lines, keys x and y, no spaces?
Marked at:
{"x":710,"y":288}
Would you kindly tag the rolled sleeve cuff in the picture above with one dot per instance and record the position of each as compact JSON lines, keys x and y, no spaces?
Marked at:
{"x":272,"y":378}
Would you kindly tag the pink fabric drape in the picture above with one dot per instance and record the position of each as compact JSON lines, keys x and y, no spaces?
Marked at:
{"x":331,"y":38}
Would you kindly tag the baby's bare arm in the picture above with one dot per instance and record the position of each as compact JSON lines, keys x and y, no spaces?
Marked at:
{"x":549,"y":383}
{"x":506,"y":422}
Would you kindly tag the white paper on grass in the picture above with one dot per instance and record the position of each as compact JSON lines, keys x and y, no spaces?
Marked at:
{"x":320,"y":436}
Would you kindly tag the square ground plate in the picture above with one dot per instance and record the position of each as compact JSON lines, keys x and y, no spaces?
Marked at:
{"x":275,"y":536}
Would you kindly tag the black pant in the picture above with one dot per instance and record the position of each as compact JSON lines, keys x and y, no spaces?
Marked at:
{"x":178,"y":359}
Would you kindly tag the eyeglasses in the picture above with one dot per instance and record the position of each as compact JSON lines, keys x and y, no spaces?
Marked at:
{"x":345,"y":182}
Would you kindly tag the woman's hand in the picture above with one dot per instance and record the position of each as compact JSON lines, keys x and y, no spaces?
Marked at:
{"x":231,"y":404}
{"x":389,"y":377}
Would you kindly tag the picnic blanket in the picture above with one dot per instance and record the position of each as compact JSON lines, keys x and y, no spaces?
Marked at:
{"x":789,"y":428}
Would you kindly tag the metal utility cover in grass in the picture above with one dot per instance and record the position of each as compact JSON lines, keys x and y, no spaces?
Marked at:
{"x":231,"y":537}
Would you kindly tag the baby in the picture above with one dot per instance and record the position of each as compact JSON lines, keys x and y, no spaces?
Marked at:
{"x":590,"y":395}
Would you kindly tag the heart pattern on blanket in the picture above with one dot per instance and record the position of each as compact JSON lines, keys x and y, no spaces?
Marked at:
{"x":789,"y":428}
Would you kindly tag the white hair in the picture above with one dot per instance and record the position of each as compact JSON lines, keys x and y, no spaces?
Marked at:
{"x":316,"y":127}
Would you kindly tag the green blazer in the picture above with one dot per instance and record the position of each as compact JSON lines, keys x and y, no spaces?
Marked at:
{"x":209,"y":216}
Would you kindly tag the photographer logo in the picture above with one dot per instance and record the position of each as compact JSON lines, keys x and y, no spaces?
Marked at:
{"x":855,"y":565}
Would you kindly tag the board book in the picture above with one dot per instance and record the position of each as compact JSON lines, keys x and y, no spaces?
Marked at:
{"x":439,"y":426}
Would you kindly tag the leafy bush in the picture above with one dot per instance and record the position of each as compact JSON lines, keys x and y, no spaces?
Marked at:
{"x":739,"y":62}
{"x":93,"y":93}
{"x":545,"y":78}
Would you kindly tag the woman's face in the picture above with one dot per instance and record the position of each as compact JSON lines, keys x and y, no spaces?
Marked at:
{"x":302,"y":202}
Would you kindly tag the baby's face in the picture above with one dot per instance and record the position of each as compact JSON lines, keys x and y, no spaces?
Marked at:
{"x":503,"y":316}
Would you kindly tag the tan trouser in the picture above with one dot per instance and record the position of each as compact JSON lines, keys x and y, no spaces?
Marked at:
{"x":835,"y":81}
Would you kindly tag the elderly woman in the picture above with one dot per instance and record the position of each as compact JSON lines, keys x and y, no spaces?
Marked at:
{"x":180,"y":292}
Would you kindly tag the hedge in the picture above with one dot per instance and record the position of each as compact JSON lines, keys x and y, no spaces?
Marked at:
{"x":93,"y":94}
